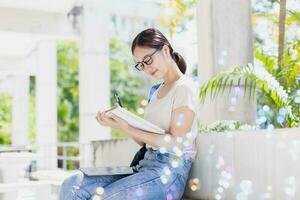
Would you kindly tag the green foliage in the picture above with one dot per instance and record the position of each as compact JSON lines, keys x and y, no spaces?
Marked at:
{"x":70,"y":152}
{"x":293,"y":18}
{"x":124,"y":80}
{"x":32,"y":116}
{"x":6,"y":115}
{"x":245,"y":76}
{"x":130,"y":85}
{"x":176,"y":13}
{"x":277,"y":88}
{"x":287,"y":75}
{"x":223,"y":126}
{"x":5,"y":118}
{"x":68,"y":92}
{"x":255,"y":81}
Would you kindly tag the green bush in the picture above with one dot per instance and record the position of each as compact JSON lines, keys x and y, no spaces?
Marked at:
{"x":5,"y":118}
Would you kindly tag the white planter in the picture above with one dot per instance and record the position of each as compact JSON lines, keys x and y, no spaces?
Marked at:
{"x":265,"y":164}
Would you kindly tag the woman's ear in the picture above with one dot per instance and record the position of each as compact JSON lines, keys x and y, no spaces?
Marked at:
{"x":166,"y":50}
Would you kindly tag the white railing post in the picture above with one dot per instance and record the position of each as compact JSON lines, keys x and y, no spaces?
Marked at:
{"x":64,"y":156}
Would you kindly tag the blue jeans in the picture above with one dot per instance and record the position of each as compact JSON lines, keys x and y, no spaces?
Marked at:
{"x":159,"y":176}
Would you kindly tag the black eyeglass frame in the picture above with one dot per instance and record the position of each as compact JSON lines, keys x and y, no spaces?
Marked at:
{"x":141,"y":65}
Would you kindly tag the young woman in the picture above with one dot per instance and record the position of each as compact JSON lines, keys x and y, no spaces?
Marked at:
{"x":163,"y":172}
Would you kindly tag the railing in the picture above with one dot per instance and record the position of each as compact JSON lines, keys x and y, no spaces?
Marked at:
{"x":16,"y":181}
{"x":67,"y":153}
{"x":8,"y":148}
{"x":62,"y":149}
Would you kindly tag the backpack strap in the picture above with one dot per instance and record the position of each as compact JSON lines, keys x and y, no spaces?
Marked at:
{"x":141,"y":153}
{"x":152,"y":90}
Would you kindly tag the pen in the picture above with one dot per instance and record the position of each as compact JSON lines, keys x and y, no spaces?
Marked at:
{"x":118,"y":99}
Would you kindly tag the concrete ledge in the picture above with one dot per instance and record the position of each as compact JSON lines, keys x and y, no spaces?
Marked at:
{"x":116,"y":152}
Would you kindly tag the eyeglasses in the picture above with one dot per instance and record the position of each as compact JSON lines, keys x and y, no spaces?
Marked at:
{"x":146,"y":60}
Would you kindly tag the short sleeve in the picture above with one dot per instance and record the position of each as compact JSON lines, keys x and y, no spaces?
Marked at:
{"x":185,"y":95}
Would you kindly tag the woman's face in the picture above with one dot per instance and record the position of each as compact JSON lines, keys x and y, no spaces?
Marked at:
{"x":160,"y":60}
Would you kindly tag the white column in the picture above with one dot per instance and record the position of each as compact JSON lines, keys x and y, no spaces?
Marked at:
{"x":205,"y":56}
{"x":94,"y":76}
{"x":224,"y":39}
{"x":46,"y":105}
{"x":20,"y":108}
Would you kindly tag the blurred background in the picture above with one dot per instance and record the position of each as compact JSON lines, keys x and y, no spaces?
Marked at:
{"x":61,"y":61}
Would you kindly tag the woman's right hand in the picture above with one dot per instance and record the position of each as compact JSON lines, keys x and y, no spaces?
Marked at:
{"x":111,"y":120}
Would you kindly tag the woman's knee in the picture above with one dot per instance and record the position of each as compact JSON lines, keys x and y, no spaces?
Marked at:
{"x":71,"y":183}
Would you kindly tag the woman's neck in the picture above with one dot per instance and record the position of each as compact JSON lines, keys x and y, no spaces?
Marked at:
{"x":173,"y":75}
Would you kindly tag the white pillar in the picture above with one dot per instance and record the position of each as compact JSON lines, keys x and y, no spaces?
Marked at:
{"x":94,"y":76}
{"x":224,"y":39}
{"x":46,"y":105}
{"x":20,"y":110}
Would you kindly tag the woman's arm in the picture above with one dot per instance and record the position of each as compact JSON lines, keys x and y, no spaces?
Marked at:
{"x":152,"y":139}
{"x":181,"y":123}
{"x":138,"y":135}
{"x":138,"y":142}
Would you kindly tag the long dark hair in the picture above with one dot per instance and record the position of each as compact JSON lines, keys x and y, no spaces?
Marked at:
{"x":153,"y":38}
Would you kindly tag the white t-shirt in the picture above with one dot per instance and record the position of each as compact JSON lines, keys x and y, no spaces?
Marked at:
{"x":159,"y":112}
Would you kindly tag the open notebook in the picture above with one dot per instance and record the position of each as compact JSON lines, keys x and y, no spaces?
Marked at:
{"x":135,"y":120}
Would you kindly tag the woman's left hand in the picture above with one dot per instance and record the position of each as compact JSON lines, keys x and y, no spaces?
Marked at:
{"x":111,"y":120}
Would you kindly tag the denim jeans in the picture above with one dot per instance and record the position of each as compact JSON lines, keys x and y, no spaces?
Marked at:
{"x":159,"y":176}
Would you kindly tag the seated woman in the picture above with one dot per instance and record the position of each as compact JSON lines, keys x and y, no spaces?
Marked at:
{"x":164,"y":171}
